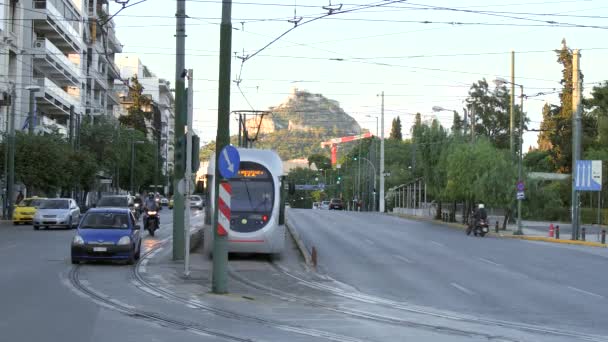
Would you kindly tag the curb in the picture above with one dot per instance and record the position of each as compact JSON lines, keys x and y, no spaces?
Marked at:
{"x":296,"y":237}
{"x":553,"y":240}
{"x":196,"y":237}
{"x":502,"y":235}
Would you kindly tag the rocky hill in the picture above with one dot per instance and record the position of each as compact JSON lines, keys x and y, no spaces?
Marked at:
{"x":296,"y":127}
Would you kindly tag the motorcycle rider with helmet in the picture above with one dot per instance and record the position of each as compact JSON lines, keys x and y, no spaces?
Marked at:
{"x":149,"y":205}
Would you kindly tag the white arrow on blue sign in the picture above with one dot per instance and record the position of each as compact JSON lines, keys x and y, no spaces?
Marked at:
{"x":588,"y":175}
{"x":229,"y":161}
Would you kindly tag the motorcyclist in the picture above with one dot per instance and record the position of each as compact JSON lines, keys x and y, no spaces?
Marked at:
{"x":150,"y":203}
{"x":480,"y":214}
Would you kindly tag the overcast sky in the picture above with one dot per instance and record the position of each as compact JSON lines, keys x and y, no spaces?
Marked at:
{"x":420,"y":53}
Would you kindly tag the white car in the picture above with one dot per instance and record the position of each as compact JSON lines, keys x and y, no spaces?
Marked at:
{"x":62,"y":212}
{"x":325,"y":205}
{"x":196,"y":202}
{"x":316,"y":205}
{"x":164,"y":201}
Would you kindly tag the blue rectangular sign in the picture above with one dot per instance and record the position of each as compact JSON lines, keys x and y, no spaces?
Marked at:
{"x":588,"y":175}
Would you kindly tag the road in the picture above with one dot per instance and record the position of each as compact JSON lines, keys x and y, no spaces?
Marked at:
{"x":37,"y":305}
{"x":439,"y":267}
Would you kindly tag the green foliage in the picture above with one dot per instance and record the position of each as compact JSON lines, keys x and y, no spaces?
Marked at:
{"x":538,"y":161}
{"x":321,"y":161}
{"x":396,"y":129}
{"x":138,"y":112}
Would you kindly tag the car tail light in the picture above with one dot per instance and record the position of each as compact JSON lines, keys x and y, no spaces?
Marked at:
{"x":264,"y":218}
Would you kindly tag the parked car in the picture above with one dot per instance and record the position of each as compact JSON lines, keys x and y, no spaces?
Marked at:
{"x":196,"y":202}
{"x":58,"y":212}
{"x":336,"y":204}
{"x":324,"y":205}
{"x":24,"y":212}
{"x":316,"y":205}
{"x":107,"y":234}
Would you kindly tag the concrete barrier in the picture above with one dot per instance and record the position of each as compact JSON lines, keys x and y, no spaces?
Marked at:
{"x":196,"y":237}
{"x":296,"y":237}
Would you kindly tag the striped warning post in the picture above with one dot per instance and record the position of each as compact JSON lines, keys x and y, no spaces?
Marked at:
{"x":223,"y":221}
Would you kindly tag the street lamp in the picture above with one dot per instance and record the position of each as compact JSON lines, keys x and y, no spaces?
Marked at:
{"x":500,"y":81}
{"x":133,"y":142}
{"x":31,"y":124}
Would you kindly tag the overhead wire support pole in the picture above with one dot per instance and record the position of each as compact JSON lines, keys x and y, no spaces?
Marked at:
{"x":11,"y":155}
{"x":512,"y":108}
{"x":381,"y":196}
{"x":219,"y":281}
{"x":180,"y":122}
{"x":519,"y":230}
{"x":576,"y":139}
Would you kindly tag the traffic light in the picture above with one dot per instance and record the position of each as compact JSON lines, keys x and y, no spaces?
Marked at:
{"x":355,"y":158}
{"x":180,"y":152}
{"x":339,"y":178}
{"x":196,"y":146}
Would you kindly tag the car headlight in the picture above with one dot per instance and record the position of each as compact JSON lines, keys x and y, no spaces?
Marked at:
{"x":125,"y":240}
{"x":78,"y":240}
{"x":151,"y":212}
{"x":136,"y":205}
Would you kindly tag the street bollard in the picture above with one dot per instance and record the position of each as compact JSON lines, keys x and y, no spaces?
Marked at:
{"x":583,"y":231}
{"x":604,"y":236}
{"x":557,"y":232}
{"x":496,"y":227}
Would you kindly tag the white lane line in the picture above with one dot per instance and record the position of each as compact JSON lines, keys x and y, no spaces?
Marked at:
{"x":489,"y":261}
{"x":8,"y":246}
{"x":404,"y":259}
{"x":370,"y":242}
{"x":192,"y":306}
{"x":462,"y":288}
{"x":585,"y":292}
{"x":437,"y":243}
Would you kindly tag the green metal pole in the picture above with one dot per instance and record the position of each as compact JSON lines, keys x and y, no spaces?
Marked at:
{"x":11,"y":155}
{"x":180,"y":122}
{"x":519,"y":230}
{"x":220,"y":250}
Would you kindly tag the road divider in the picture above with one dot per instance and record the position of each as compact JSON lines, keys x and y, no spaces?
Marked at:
{"x":296,"y":237}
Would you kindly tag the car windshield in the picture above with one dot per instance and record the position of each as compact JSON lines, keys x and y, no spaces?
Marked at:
{"x":55,"y":204}
{"x":30,"y":203}
{"x":112,"y":202}
{"x":195,"y":198}
{"x":251,"y":196}
{"x":336,"y":201}
{"x":105,"y":221}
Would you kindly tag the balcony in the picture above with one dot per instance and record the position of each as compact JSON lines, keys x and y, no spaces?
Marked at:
{"x":50,"y":23}
{"x":113,"y":42}
{"x":113,"y":99}
{"x":113,"y":72}
{"x":47,"y":125}
{"x":54,"y":101}
{"x":49,"y":60}
{"x":100,"y":78}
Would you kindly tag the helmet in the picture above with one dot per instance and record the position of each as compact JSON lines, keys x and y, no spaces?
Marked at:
{"x":480,"y":206}
{"x":150,"y":195}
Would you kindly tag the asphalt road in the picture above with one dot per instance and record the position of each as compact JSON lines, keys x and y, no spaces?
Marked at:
{"x":37,"y":305}
{"x":438,"y":267}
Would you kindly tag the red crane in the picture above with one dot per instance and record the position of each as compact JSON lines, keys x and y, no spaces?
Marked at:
{"x":333,"y":143}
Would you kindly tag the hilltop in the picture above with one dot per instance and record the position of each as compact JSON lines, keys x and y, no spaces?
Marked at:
{"x":296,"y":127}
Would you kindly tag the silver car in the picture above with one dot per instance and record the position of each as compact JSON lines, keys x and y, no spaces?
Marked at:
{"x":196,"y":202}
{"x":57,"y":212}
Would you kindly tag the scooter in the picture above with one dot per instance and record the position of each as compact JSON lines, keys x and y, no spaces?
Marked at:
{"x":481,"y":229}
{"x":151,"y":221}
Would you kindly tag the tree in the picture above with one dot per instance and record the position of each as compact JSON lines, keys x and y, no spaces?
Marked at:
{"x":491,"y":113}
{"x":139,"y":112}
{"x":457,"y":124}
{"x":396,"y":129}
{"x":322,"y":162}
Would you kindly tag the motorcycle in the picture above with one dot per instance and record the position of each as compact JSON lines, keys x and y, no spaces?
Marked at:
{"x":151,"y":221}
{"x":481,"y":229}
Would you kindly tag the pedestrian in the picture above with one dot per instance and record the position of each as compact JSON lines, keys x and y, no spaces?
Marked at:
{"x":19,"y":197}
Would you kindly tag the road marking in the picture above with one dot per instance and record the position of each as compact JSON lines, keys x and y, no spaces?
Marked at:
{"x":8,"y":246}
{"x":192,"y":306}
{"x":370,"y":242}
{"x":402,"y":258}
{"x":437,"y":243}
{"x":152,"y":292}
{"x":462,"y":288}
{"x":585,"y":292}
{"x":489,"y":261}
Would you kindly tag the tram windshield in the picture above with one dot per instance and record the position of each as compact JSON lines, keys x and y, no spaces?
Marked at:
{"x":253,"y":190}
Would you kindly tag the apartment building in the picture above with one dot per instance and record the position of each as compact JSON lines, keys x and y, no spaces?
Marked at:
{"x":59,"y":55}
{"x":163,"y":106}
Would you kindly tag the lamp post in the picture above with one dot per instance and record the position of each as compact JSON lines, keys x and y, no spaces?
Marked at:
{"x":31,"y":118}
{"x":501,"y":81}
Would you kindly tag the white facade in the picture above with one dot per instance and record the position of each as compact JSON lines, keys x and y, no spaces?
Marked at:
{"x":159,"y":91}
{"x":60,"y":59}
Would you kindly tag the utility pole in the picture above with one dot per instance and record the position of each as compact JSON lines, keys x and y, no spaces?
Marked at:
{"x":180,"y":122}
{"x":576,"y":138}
{"x":30,"y":116}
{"x":382,"y":155}
{"x":11,"y":154}
{"x":220,"y":250}
{"x":188,"y":174}
{"x":5,"y":178}
{"x":512,"y":109}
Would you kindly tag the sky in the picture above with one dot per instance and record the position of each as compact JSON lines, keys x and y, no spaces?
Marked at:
{"x":420,"y":53}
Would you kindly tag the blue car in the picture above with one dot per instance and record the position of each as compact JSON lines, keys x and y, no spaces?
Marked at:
{"x":107,"y":234}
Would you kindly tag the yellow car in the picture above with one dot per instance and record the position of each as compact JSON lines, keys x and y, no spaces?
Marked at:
{"x":171,"y":203}
{"x":25,"y":211}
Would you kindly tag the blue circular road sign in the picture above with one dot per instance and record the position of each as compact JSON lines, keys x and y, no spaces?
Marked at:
{"x":520,"y":186}
{"x":229,"y":161}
